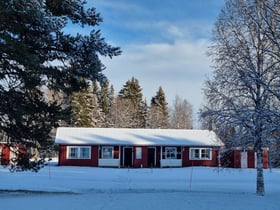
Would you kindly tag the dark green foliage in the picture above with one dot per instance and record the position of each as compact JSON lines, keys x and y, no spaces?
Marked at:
{"x":132,"y":93}
{"x":85,"y":110}
{"x":158,"y":117}
{"x":105,"y":97}
{"x":37,"y":55}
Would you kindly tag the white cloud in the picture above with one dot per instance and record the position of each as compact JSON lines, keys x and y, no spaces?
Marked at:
{"x":180,"y":68}
{"x":175,"y":31}
{"x":164,"y":44}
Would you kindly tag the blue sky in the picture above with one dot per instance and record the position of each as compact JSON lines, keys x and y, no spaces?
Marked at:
{"x":164,"y":43}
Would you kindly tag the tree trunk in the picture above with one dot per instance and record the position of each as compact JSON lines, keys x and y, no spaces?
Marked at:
{"x":260,"y":177}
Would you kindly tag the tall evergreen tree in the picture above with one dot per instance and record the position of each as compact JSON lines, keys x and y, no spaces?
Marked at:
{"x":132,"y":91}
{"x":82,"y":106}
{"x":85,"y":109}
{"x":158,"y":114}
{"x":37,"y":54}
{"x":106,"y":101}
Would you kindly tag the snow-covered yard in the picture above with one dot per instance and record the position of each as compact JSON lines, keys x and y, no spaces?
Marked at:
{"x":104,"y":188}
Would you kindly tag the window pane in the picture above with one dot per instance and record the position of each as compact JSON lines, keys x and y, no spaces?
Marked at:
{"x":78,"y":152}
{"x":200,"y":153}
{"x":84,"y":152}
{"x":170,"y":152}
{"x":205,"y":153}
{"x":196,"y":154}
{"x":138,"y":153}
{"x":73,"y":152}
{"x":107,"y":152}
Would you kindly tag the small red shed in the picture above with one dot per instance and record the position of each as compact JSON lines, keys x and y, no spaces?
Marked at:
{"x":124,"y":147}
{"x":9,"y":154}
{"x":4,"y":154}
{"x":247,"y":158}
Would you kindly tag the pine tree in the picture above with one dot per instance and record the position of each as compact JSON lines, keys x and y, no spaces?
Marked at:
{"x":96,"y":89}
{"x":85,"y":109}
{"x":37,"y":54}
{"x":132,"y":92}
{"x":158,"y":114}
{"x":106,"y":101}
{"x":81,"y":107}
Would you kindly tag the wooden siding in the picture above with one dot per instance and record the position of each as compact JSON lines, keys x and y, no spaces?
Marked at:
{"x":5,"y":154}
{"x":235,"y":159}
{"x":62,"y":160}
{"x":159,"y":160}
{"x":211,"y":163}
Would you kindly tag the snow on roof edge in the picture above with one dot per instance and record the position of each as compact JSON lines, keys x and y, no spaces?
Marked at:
{"x":137,"y":137}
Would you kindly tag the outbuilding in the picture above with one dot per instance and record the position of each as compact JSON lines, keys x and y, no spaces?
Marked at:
{"x":5,"y":153}
{"x":247,"y":158}
{"x":9,"y":154}
{"x":125,"y":147}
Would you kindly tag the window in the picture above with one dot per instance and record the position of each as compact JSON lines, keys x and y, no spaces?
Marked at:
{"x":75,"y":152}
{"x":170,"y":153}
{"x":200,"y":154}
{"x":107,"y":152}
{"x":138,"y":153}
{"x":84,"y":152}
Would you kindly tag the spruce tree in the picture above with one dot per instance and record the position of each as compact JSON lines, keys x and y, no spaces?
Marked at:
{"x":38,"y":54}
{"x":158,"y":114}
{"x":85,"y":109}
{"x":132,"y":91}
{"x":106,"y":101}
{"x":105,"y":97}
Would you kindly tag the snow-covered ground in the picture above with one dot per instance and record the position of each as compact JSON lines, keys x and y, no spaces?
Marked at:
{"x":90,"y":188}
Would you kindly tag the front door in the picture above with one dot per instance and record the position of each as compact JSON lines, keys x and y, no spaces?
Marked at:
{"x":127,"y":156}
{"x":151,"y":157}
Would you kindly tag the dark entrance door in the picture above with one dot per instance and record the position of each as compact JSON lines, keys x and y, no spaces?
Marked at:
{"x":151,"y":156}
{"x":127,"y":157}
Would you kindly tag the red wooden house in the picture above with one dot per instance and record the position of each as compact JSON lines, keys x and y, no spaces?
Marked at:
{"x":121,"y":147}
{"x":4,"y":154}
{"x":9,"y":154}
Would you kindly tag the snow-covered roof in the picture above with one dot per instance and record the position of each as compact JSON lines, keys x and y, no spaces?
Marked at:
{"x":138,"y":137}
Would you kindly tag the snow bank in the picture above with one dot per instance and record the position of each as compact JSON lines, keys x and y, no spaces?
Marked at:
{"x":169,"y":188}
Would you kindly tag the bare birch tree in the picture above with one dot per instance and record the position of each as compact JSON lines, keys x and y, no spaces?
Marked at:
{"x":122,"y":114}
{"x":181,"y":114}
{"x":244,"y":92}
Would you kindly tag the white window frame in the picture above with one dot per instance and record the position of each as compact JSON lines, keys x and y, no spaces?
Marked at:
{"x":110,"y":152}
{"x":169,"y":154}
{"x":201,"y":153}
{"x":79,"y":154}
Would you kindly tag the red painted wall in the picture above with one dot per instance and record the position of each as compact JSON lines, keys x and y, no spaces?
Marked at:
{"x":187,"y":162}
{"x":62,"y":160}
{"x":236,"y":159}
{"x":265,"y":159}
{"x":137,"y":163}
{"x":5,"y":154}
{"x":143,"y":162}
{"x":251,"y":159}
